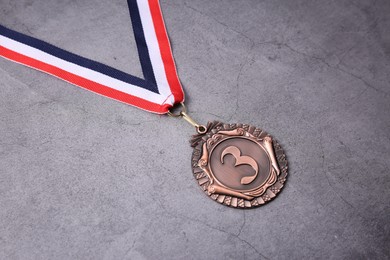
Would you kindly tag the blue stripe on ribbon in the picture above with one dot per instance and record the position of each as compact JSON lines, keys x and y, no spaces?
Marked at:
{"x":87,"y":63}
{"x":143,"y":51}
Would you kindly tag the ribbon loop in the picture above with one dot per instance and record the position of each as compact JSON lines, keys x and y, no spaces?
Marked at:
{"x":160,"y":88}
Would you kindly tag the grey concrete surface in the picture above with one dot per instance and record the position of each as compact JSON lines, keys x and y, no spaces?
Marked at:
{"x":84,"y":177}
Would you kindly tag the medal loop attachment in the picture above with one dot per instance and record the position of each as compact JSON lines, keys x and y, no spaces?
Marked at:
{"x":201,"y":129}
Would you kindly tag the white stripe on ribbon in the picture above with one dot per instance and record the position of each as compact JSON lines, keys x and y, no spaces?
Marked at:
{"x":154,"y":50}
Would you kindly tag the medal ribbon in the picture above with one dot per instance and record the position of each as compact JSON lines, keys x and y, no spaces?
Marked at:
{"x":158,"y":91}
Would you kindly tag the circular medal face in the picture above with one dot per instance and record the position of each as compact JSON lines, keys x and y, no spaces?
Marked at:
{"x":238,"y":165}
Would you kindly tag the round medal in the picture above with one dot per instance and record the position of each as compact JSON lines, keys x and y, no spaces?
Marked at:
{"x":238,"y":165}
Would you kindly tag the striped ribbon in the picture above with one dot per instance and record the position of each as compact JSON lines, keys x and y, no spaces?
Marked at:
{"x":160,"y":88}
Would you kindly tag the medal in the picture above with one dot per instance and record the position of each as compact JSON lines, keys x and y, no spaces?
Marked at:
{"x":237,"y":165}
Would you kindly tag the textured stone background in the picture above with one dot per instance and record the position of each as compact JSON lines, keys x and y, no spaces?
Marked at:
{"x":84,"y":177}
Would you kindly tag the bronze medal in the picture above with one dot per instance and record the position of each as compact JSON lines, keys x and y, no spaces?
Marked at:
{"x":238,"y":165}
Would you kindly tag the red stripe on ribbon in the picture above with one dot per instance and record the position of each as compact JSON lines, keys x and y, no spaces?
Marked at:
{"x":166,"y":52}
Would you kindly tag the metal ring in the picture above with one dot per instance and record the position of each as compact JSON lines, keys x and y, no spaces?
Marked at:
{"x":201,"y":129}
{"x":184,"y":110}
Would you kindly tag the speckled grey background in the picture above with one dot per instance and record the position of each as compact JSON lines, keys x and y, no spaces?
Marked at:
{"x":85,"y":177}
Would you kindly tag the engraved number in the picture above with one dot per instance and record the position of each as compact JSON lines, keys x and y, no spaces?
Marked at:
{"x":233,"y":150}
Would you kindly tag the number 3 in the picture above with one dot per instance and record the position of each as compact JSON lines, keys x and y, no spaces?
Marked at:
{"x":240,"y":160}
